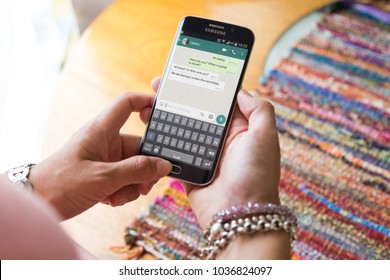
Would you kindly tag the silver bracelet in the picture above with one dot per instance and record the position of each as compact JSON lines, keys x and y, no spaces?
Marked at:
{"x":251,"y":218}
{"x":19,"y":175}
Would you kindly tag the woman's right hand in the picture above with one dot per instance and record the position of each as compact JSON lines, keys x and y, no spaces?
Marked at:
{"x":249,"y":168}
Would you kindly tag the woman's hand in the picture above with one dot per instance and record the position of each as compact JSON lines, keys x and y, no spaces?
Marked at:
{"x":249,"y":168}
{"x":99,"y":164}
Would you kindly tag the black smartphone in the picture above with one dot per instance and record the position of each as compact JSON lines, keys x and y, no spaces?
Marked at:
{"x":196,"y":97}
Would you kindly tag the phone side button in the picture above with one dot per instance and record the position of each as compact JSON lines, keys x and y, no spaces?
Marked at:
{"x":176,"y":169}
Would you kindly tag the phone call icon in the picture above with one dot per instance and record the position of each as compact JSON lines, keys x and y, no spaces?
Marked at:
{"x":233,"y":52}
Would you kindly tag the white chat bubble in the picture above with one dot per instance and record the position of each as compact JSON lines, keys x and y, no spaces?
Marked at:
{"x":195,"y":72}
{"x":195,"y":80}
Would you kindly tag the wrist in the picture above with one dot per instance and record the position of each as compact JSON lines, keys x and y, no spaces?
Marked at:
{"x":40,"y":181}
{"x":247,"y":220}
{"x":205,"y":214}
{"x":271,"y":245}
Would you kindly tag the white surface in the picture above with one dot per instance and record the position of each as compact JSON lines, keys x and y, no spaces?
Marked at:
{"x":31,"y":51}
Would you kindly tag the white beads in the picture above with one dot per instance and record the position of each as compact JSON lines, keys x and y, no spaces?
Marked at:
{"x":219,"y":233}
{"x":216,"y":230}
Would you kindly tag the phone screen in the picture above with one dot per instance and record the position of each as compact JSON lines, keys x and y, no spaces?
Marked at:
{"x":194,"y":103}
{"x":207,"y":74}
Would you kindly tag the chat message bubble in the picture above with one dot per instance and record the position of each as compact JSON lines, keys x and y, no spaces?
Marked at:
{"x":219,"y":64}
{"x":195,"y":72}
{"x":185,"y":76}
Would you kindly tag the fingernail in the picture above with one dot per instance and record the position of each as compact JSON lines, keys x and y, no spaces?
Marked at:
{"x":254,"y":93}
{"x":145,"y":190}
{"x":120,"y":201}
{"x":244,"y":92}
{"x":163,"y":167}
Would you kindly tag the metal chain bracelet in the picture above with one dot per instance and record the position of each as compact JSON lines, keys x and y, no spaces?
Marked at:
{"x":248,"y":218}
{"x":19,"y":176}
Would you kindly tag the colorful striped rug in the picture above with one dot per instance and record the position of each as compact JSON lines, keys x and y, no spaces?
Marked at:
{"x":332,"y":102}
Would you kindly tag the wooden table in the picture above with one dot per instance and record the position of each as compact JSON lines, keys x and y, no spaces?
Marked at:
{"x":123,"y":49}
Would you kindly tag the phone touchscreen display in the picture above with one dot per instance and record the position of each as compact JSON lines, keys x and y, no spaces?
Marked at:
{"x":194,"y":100}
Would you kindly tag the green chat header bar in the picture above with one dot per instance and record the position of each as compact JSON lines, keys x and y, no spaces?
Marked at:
{"x":213,"y":47}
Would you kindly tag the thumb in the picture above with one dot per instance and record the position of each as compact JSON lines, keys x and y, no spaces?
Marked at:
{"x":139,"y":169}
{"x":259,"y":112}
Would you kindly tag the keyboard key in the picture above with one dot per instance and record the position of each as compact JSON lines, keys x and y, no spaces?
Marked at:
{"x":173,"y":142}
{"x":207,"y":164}
{"x":198,"y":161}
{"x":184,"y":121}
{"x":212,"y":129}
{"x":160,"y":126}
{"x":163,"y":116}
{"x":156,"y":114}
{"x":191,"y":123}
{"x":194,"y":148}
{"x":176,"y":119}
{"x":202,"y":150}
{"x":187,"y":134}
{"x":173,"y":130}
{"x":160,"y":138}
{"x":219,"y":130}
{"x":194,"y":136}
{"x":201,"y":138}
{"x":209,"y":140}
{"x":167,"y":140}
{"x":153,"y":125}
{"x":187,"y":146}
{"x":150,"y":136}
{"x":156,"y":150}
{"x":211,"y":153}
{"x":170,"y":117}
{"x":205,"y":127}
{"x":147,"y":147}
{"x":216,"y":142}
{"x":180,"y":144}
{"x":198,"y":125}
{"x":167,"y":128}
{"x":180,"y":132}
{"x":177,"y":155}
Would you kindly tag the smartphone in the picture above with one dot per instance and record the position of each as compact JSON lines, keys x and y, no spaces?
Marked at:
{"x":196,"y":97}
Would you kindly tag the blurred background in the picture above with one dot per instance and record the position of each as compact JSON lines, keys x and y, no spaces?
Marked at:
{"x":36,"y":36}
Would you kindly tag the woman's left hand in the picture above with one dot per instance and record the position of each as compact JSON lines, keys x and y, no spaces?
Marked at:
{"x":99,"y":164}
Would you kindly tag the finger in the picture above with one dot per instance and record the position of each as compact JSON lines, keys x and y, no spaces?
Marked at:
{"x":259,"y":112}
{"x":117,"y":113}
{"x":123,"y":196}
{"x":144,"y":189}
{"x":144,"y":114}
{"x":156,"y":83}
{"x":130,"y":145}
{"x":137,"y":170}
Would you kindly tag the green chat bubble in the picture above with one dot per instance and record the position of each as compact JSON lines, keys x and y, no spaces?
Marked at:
{"x":219,"y":64}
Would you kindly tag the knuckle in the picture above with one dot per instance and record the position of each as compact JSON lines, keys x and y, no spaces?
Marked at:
{"x":267,"y":107}
{"x":103,"y":171}
{"x":144,"y":165}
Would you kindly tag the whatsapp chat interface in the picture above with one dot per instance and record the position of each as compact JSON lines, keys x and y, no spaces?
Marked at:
{"x":201,"y":79}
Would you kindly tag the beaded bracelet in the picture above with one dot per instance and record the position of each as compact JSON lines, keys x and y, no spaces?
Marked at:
{"x":247,"y":218}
